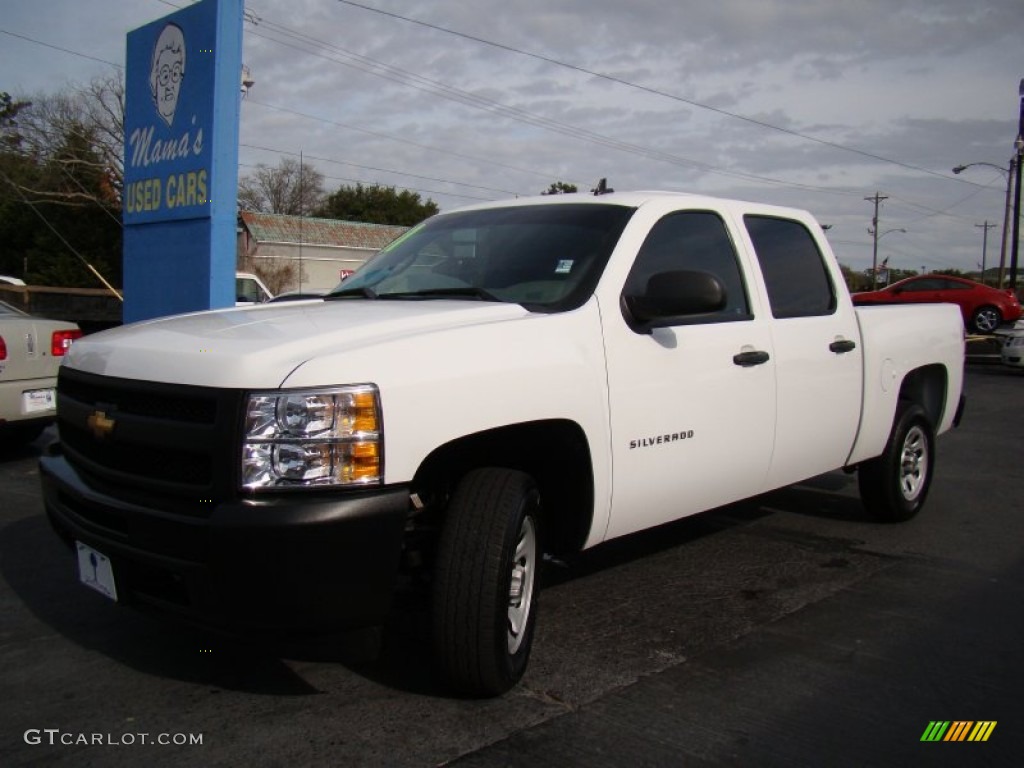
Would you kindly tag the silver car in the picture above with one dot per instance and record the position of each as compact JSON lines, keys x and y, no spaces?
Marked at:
{"x":31,"y":350}
{"x":1012,"y":351}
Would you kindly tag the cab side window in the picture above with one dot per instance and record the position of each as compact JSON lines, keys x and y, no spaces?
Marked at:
{"x":794,"y":272}
{"x":697,"y":241}
{"x":922,"y":286}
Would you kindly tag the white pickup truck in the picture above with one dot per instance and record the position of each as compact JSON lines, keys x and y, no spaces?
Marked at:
{"x":506,"y":380}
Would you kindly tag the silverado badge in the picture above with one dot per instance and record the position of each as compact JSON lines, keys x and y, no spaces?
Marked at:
{"x":100,"y":425}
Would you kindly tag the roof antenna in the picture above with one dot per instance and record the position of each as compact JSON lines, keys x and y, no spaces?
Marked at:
{"x":602,"y":188}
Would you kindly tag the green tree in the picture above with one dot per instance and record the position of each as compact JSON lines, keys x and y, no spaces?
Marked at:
{"x":855,"y":281}
{"x":60,"y":186}
{"x":377,"y":205}
{"x":560,"y":188}
{"x":9,"y":109}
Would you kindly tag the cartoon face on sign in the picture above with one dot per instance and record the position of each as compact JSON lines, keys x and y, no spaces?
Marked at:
{"x":167,"y":71}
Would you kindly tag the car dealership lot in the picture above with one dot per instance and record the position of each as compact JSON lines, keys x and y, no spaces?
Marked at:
{"x":785,"y":630}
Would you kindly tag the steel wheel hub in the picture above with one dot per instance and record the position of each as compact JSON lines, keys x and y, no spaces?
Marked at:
{"x":520,"y":590}
{"x":914,"y":463}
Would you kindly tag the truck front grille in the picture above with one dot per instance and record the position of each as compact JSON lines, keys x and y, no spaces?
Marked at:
{"x":172,"y":447}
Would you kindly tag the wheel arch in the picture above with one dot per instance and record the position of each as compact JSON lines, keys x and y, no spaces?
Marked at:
{"x":555,"y":452}
{"x":927,"y":386}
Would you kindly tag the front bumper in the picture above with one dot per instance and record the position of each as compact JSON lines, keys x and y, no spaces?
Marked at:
{"x":296,"y":562}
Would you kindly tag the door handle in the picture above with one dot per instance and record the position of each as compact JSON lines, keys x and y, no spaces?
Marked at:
{"x":747,"y":359}
{"x":843,"y":346}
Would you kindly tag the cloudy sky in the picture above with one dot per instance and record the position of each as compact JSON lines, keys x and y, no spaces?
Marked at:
{"x":798,"y":102}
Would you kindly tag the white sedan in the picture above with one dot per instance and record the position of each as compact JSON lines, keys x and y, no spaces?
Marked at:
{"x":1013,"y":350}
{"x":31,"y":349}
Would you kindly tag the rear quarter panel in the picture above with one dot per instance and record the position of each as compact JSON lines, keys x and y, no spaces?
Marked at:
{"x":898,"y":340}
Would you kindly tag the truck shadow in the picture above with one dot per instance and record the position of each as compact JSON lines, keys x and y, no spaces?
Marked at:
{"x":40,"y":570}
{"x":15,"y":451}
{"x":827,"y":497}
{"x":405,"y":661}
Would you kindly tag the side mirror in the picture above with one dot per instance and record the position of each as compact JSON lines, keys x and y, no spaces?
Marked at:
{"x":673,"y":298}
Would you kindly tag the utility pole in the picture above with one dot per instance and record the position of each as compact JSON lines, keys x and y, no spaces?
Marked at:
{"x":984,"y":246}
{"x":878,"y":198}
{"x":1010,"y":176}
{"x":1019,"y":146}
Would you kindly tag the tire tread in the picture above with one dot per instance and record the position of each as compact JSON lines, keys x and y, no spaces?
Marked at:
{"x":471,"y":553}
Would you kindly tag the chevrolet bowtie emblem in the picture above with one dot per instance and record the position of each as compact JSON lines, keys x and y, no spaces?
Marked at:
{"x":100,"y":425}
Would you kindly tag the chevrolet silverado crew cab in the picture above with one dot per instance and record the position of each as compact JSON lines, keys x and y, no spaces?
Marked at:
{"x":503,"y":381}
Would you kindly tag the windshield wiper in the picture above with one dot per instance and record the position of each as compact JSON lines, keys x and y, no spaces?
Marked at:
{"x":469,"y":291}
{"x":364,"y":292}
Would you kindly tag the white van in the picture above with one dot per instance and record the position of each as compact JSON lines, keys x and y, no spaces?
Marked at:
{"x":249,"y":289}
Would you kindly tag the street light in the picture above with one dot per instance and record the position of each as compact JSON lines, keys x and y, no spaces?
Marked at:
{"x":1006,"y":214}
{"x":962,"y":168}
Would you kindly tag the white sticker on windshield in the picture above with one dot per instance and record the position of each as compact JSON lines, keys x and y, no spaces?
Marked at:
{"x":564,"y":267}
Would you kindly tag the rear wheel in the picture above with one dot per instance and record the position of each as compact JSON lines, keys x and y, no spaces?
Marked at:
{"x":893,"y":486}
{"x":986,"y":319}
{"x":486,"y":581}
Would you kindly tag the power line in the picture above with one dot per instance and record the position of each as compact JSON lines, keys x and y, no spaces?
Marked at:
{"x":58,"y":48}
{"x":419,"y":82}
{"x":648,"y":89}
{"x":496,"y":107}
{"x":377,"y":183}
{"x":365,"y":182}
{"x":382,"y":170}
{"x":392,"y":137}
{"x":61,"y":237}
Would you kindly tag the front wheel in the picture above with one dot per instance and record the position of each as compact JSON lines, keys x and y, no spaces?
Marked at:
{"x":893,"y":486}
{"x":486,"y":581}
{"x":986,"y":319}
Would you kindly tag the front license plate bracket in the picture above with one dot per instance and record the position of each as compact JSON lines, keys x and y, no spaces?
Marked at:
{"x":96,"y":571}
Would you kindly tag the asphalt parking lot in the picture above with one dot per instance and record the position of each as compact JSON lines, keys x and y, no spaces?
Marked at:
{"x":788,"y":630}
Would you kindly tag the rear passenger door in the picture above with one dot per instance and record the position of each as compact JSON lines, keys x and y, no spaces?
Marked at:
{"x":818,"y":362}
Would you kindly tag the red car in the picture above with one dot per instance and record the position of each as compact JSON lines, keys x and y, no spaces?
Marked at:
{"x":984,"y":308}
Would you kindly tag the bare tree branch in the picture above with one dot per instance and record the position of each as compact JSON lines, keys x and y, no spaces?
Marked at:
{"x":290,"y":188}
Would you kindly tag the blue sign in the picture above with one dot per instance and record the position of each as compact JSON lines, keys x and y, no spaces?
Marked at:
{"x":169,"y":117}
{"x":181,"y":160}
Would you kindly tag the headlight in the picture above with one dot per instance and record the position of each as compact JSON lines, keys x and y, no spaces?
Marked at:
{"x":322,"y":437}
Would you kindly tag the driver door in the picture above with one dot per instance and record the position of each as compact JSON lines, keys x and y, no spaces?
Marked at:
{"x":692,"y":419}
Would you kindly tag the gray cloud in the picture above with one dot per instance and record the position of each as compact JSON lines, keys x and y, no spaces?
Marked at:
{"x":929,"y":83}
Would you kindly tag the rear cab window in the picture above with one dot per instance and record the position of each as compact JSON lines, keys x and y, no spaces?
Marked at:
{"x":795,"y":273}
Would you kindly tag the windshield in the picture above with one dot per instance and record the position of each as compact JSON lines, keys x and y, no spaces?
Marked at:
{"x":547,"y":258}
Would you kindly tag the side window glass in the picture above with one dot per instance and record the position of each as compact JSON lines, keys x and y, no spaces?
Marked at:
{"x":923,"y":286}
{"x":794,"y":271}
{"x":247,"y":290}
{"x":698,"y":241}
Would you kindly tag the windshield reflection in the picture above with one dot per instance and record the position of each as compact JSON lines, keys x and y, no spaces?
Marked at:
{"x":547,"y":258}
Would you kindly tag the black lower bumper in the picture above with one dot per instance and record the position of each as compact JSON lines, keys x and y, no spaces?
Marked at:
{"x":300,"y":562}
{"x":960,"y":406}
